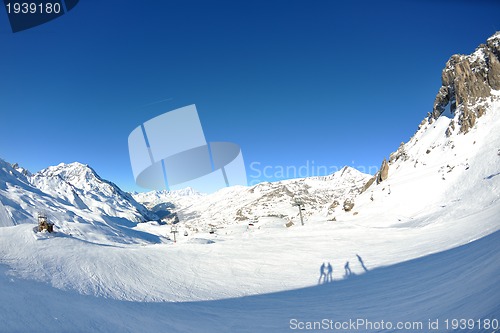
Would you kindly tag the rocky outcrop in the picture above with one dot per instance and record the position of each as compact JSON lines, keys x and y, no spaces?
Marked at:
{"x":383,"y":173}
{"x":399,"y":154}
{"x":348,"y":205}
{"x":468,"y":85}
{"x":468,"y":80}
{"x":369,"y":183}
{"x":334,"y":205}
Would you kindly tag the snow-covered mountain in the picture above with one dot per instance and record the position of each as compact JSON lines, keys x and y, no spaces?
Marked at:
{"x":165,"y":203}
{"x":80,"y":185}
{"x":320,"y":197}
{"x":76,"y":200}
{"x":453,"y":159}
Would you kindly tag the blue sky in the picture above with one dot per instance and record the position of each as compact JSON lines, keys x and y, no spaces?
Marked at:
{"x":292,"y":82}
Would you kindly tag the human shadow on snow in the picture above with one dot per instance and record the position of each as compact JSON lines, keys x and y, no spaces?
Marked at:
{"x":326,"y":271}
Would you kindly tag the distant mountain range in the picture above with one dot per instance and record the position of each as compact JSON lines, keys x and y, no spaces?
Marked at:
{"x":319,"y":197}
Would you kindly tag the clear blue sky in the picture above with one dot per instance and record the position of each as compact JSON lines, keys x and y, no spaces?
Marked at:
{"x":334,"y":82}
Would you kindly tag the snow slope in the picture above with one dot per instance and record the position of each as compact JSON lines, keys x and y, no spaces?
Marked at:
{"x":458,"y":283}
{"x":438,"y":175}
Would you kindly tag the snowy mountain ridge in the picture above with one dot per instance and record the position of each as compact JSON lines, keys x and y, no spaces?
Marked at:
{"x":82,"y":181}
{"x":319,"y":196}
{"x":155,"y":197}
{"x":76,"y":200}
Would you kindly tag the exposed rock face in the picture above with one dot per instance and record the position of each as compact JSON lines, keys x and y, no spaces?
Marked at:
{"x":399,"y":154}
{"x":348,"y":205}
{"x":468,"y":80}
{"x":469,"y":83}
{"x":334,"y":204}
{"x":383,"y":173}
{"x":369,"y":183}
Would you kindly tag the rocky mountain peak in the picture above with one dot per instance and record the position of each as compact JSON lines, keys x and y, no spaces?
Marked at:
{"x":81,"y":184}
{"x":467,"y":84}
{"x":70,"y":171}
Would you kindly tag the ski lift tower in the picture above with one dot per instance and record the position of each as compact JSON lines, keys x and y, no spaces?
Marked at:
{"x":174,"y":230}
{"x":300,"y":204}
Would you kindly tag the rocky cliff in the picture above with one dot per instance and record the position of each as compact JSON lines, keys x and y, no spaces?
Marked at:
{"x":470,"y":84}
{"x":467,"y":84}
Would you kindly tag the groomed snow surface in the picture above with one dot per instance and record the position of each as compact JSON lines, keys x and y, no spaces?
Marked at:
{"x":426,"y":248}
{"x":458,"y":283}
